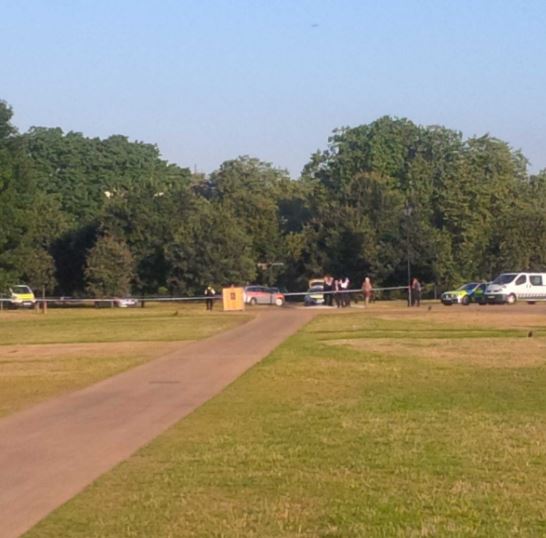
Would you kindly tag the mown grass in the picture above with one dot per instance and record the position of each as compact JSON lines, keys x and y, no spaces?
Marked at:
{"x":153,"y":323}
{"x":26,"y":380}
{"x":332,"y":440}
{"x":38,"y":359}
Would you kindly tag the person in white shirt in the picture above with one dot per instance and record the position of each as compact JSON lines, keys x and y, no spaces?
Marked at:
{"x":345,"y":299}
{"x":209,"y":294}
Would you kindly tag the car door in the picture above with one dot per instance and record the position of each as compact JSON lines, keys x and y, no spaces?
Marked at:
{"x":262,"y":296}
{"x":521,"y":285}
{"x":537,"y":287}
{"x":251,"y":294}
{"x":478,"y":292}
{"x":273,"y":292}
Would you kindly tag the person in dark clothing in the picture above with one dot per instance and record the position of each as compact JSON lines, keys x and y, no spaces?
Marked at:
{"x":209,"y":294}
{"x":338,"y":296}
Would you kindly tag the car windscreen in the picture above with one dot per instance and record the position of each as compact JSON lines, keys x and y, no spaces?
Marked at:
{"x":467,"y":287}
{"x":21,"y":289}
{"x":505,"y":278}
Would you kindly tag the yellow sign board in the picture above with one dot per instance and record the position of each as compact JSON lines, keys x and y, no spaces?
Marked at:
{"x":233,"y":299}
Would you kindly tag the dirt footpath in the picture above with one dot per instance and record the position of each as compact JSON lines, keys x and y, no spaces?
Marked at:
{"x":50,"y":452}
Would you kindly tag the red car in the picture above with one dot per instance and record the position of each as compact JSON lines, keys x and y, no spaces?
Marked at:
{"x":263,"y":295}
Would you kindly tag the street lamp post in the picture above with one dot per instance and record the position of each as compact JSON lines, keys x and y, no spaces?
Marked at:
{"x":269,"y":267}
{"x":408,"y":209}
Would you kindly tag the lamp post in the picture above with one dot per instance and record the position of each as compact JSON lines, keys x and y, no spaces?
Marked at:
{"x":269,"y":267}
{"x":408,"y":209}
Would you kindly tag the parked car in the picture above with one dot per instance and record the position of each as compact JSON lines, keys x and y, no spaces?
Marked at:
{"x":126,"y":302}
{"x":21,"y":296}
{"x":316,"y":282}
{"x":512,"y":287}
{"x":471,"y":292}
{"x":263,"y":295}
{"x":65,"y":301}
{"x":120,"y":302}
{"x":314,"y":296}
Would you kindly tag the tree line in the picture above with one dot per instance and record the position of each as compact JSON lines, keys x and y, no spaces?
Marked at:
{"x":102,"y":217}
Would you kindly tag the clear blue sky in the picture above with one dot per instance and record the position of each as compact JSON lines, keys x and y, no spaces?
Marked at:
{"x":211,"y":80}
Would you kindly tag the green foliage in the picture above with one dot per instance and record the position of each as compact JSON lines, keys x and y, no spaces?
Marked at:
{"x":6,"y":127}
{"x":250,"y":190}
{"x":466,"y":197}
{"x":475,"y":211}
{"x":110,"y":268}
{"x":86,"y":172}
{"x":29,"y":219}
{"x":209,"y":246}
{"x":147,"y":218}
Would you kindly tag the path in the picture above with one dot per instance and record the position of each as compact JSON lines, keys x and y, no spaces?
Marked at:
{"x":52,"y":451}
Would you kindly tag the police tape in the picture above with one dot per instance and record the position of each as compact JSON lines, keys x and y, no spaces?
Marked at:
{"x":333,"y":292}
{"x":74,"y":300}
{"x":101,"y":300}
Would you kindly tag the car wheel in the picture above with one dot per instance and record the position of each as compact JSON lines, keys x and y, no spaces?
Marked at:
{"x":253,"y":301}
{"x":279,"y":302}
{"x":465,"y":300}
{"x":511,"y":299}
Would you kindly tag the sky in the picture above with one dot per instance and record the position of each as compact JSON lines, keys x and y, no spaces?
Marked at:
{"x":210,"y":80}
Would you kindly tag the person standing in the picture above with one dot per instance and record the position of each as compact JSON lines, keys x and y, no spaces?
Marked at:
{"x":338,"y":295}
{"x":345,"y":299}
{"x":415,"y":292}
{"x":209,"y":294}
{"x":328,"y":286}
{"x":367,"y":290}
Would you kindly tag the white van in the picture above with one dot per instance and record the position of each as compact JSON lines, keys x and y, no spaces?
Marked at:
{"x":512,"y":287}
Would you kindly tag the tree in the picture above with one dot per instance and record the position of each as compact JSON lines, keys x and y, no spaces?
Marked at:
{"x":85,"y":172}
{"x":147,"y":220}
{"x":209,"y":247}
{"x":28,"y":219}
{"x":465,"y":196}
{"x":251,"y":190}
{"x":7,"y":129}
{"x":110,"y":268}
{"x":475,"y":211}
{"x":38,"y":268}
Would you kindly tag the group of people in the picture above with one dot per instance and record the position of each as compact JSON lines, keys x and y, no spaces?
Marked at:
{"x":414,"y":291}
{"x":336,"y":291}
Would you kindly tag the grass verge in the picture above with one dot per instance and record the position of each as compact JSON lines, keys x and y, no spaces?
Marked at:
{"x":345,"y":439}
{"x":153,"y":323}
{"x":46,"y":355}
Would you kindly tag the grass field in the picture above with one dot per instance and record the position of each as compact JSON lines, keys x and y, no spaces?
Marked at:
{"x":157,"y":323}
{"x":385,"y":422}
{"x":45,"y":355}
